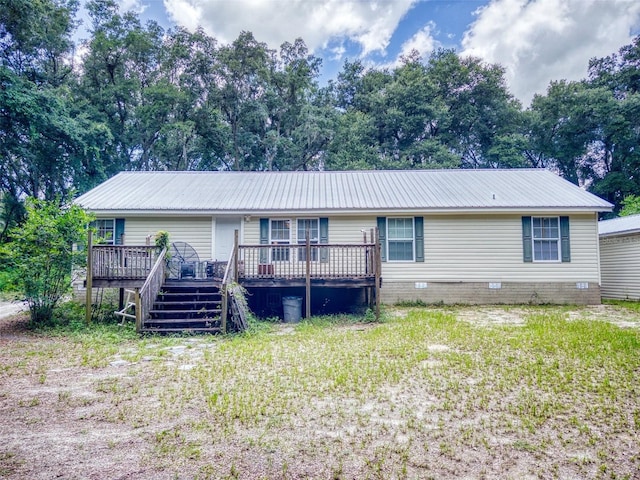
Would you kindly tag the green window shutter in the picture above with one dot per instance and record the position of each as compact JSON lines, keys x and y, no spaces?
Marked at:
{"x":264,"y":239}
{"x":119,"y":231}
{"x":324,"y":238}
{"x":418,"y":223}
{"x":382,"y":235}
{"x":565,"y":243}
{"x":527,"y":244}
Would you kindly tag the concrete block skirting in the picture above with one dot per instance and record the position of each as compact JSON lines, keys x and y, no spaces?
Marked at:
{"x":479,"y":293}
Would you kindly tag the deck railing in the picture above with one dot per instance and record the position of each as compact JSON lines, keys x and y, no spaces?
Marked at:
{"x":247,"y":262}
{"x":149,"y":291}
{"x":252,"y":261}
{"x":294,"y":261}
{"x":123,"y":261}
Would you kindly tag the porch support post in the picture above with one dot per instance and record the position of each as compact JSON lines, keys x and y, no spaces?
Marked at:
{"x":89,"y":281}
{"x":138,"y":310}
{"x":235,"y":256}
{"x":378,"y":267}
{"x":224,"y":307}
{"x":308,"y":275}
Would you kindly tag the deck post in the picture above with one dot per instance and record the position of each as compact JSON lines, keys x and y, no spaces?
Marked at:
{"x":308,"y":275}
{"x":378,"y":267}
{"x":138,"y":310}
{"x":89,"y":281}
{"x":224,"y":297}
{"x":235,"y":256}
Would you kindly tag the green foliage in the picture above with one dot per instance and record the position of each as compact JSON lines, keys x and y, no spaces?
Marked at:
{"x":8,"y":278}
{"x":449,"y":112}
{"x":149,"y":99}
{"x":630,"y":205}
{"x":69,"y":317}
{"x":162,"y":240}
{"x":43,"y":253}
{"x":633,"y":306}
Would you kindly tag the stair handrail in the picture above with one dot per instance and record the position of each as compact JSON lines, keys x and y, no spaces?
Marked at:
{"x":150,"y":289}
{"x":228,"y":278}
{"x":228,"y":271}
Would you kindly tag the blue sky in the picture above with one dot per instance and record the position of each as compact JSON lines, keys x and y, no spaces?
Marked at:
{"x":536,"y":41}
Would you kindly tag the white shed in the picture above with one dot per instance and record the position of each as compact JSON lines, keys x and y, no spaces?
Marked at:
{"x":620,"y":257}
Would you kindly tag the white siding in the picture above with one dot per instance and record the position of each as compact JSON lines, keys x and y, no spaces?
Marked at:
{"x":349,"y":229}
{"x":251,"y":232}
{"x":472,"y":248}
{"x":488,"y":248}
{"x":196,"y":231}
{"x":620,"y":264}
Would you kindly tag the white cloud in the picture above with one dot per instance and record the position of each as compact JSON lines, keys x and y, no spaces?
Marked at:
{"x":542,"y":40}
{"x":369,"y":23}
{"x":338,"y":52}
{"x":135,"y":6}
{"x":423,"y":42}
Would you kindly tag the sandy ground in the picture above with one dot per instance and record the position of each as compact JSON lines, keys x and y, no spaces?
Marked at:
{"x":8,"y":309}
{"x":67,"y":422}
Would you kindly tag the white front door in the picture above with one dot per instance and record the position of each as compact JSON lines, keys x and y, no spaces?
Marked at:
{"x":225,"y":228}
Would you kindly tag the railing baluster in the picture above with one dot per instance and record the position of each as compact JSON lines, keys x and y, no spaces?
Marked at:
{"x":338,"y":261}
{"x":118,"y":261}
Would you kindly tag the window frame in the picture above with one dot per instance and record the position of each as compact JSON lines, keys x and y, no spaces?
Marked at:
{"x":406,"y":239}
{"x":279,"y":254}
{"x":557,"y":239}
{"x":312,"y":241}
{"x":104,"y":240}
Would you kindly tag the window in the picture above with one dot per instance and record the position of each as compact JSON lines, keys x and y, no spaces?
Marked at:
{"x":280,"y":233}
{"x":400,"y":239}
{"x":305,"y":224}
{"x":546,"y":239}
{"x":105,"y":231}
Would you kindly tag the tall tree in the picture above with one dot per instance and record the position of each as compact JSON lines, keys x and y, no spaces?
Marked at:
{"x":244,"y":70}
{"x":415,"y":119}
{"x":359,"y":127}
{"x":482,"y":117}
{"x":614,"y":146}
{"x":298,"y":113}
{"x":46,"y":144}
{"x":119,"y":81}
{"x":559,"y":129}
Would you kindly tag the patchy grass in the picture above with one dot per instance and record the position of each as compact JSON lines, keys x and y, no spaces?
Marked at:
{"x":627,"y":304}
{"x":428,"y":393}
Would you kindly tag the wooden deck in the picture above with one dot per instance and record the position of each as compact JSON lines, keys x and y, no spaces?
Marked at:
{"x":336,"y":265}
{"x":124,"y":266}
{"x":307,"y":265}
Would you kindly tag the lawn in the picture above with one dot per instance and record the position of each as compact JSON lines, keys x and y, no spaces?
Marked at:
{"x":461,"y":392}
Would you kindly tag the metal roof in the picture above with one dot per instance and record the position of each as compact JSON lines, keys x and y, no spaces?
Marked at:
{"x":620,"y":225}
{"x":377,"y":190}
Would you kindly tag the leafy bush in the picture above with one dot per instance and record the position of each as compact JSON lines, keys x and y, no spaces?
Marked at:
{"x":42,"y":251}
{"x":72,"y":314}
{"x":8,"y":280}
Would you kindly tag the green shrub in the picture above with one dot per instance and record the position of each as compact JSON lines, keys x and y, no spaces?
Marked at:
{"x":43,"y":255}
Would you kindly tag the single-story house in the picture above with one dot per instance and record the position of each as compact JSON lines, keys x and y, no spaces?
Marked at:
{"x":620,"y":257}
{"x":445,"y":236}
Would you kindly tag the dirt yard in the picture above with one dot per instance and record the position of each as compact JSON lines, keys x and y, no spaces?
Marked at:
{"x":149,"y":409}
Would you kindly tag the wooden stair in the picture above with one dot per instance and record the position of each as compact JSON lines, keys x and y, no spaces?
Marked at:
{"x":186,"y":307}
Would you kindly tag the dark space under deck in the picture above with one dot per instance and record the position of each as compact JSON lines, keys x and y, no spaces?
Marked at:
{"x":301,"y":282}
{"x":328,"y":295}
